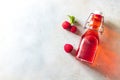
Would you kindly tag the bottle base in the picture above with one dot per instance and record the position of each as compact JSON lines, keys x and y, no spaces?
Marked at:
{"x":83,"y":60}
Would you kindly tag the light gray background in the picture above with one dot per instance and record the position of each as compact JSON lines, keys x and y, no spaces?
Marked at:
{"x":32,"y":40}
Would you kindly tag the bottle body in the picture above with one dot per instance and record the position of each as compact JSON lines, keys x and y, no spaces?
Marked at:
{"x":88,"y":46}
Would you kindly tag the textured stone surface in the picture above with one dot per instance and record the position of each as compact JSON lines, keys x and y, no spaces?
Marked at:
{"x":32,"y":40}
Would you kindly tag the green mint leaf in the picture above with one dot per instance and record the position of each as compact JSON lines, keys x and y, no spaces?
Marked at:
{"x":72,"y":19}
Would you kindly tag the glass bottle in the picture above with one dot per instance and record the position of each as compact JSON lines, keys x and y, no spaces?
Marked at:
{"x":90,"y":39}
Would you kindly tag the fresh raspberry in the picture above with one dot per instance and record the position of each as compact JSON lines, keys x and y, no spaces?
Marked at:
{"x":73,"y":29}
{"x":66,"y":25}
{"x":68,"y":48}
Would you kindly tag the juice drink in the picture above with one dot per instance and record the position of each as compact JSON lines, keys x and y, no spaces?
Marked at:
{"x":90,"y":39}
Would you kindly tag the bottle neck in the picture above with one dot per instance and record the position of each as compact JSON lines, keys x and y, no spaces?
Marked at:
{"x":95,"y":22}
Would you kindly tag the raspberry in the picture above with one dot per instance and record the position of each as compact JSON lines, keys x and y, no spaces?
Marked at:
{"x":68,"y":48}
{"x":66,"y":25}
{"x":73,"y":29}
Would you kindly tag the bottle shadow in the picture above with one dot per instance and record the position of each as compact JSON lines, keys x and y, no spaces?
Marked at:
{"x":107,"y":60}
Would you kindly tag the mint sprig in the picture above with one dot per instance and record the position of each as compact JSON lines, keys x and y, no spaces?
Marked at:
{"x":72,"y":19}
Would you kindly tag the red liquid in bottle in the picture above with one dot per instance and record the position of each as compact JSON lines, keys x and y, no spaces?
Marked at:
{"x":90,"y":40}
{"x":88,"y":46}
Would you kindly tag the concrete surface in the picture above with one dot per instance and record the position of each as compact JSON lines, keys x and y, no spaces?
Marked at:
{"x":32,"y":40}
